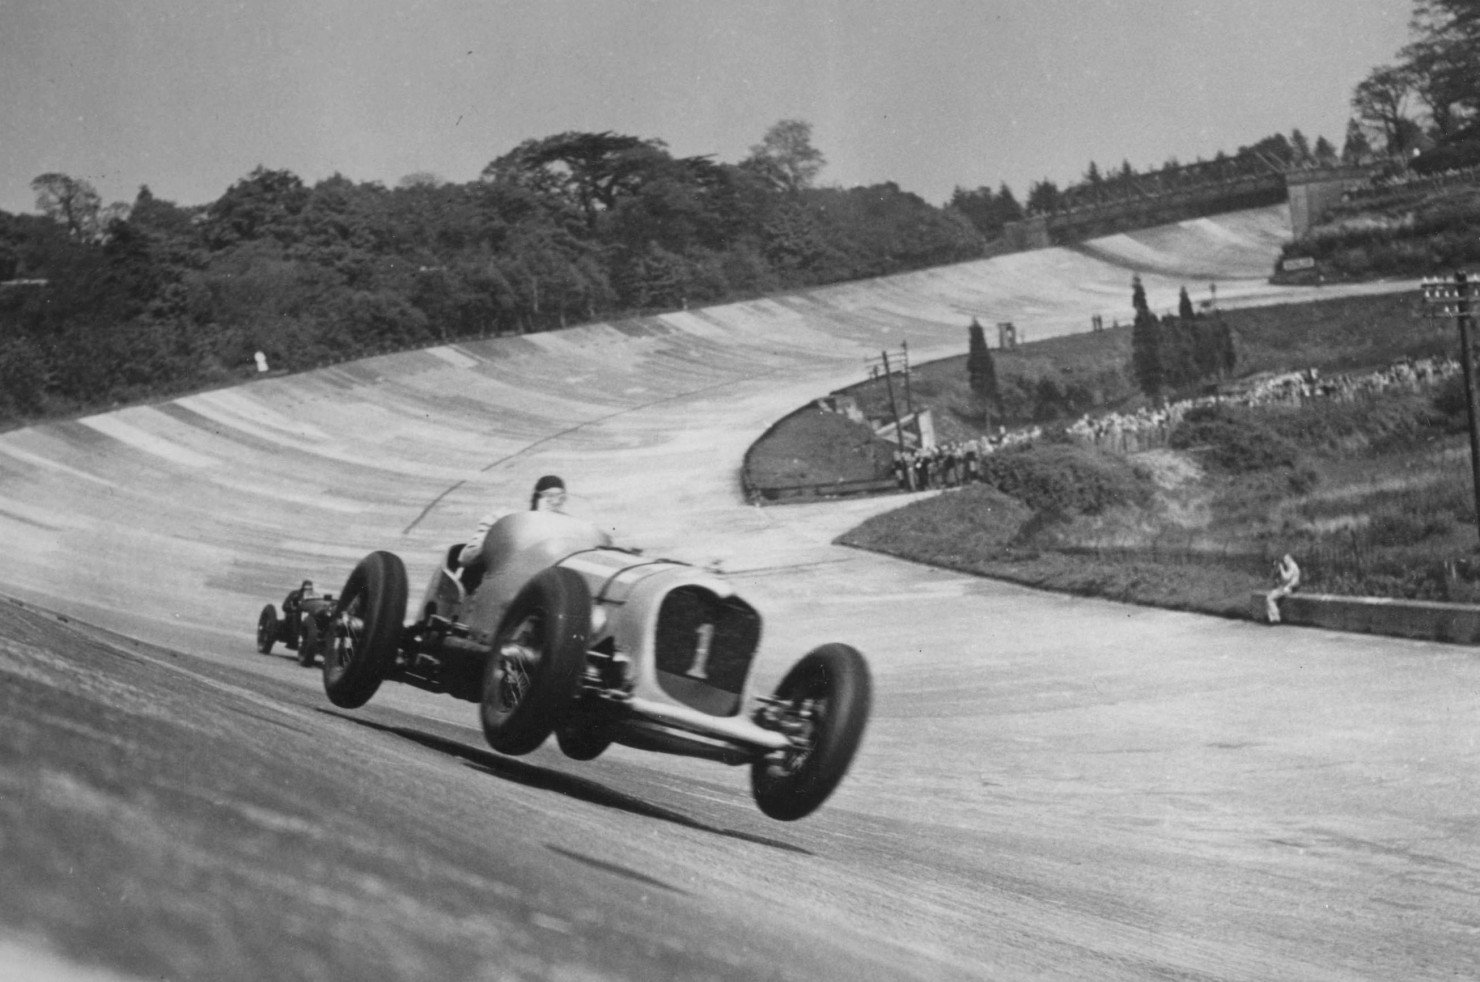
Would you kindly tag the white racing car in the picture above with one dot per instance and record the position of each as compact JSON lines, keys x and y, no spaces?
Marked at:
{"x":566,"y":634}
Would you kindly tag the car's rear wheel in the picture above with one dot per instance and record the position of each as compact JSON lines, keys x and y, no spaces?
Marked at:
{"x":539,"y":654}
{"x":366,"y":629}
{"x":267,"y":629}
{"x":308,"y":644}
{"x":823,"y":705}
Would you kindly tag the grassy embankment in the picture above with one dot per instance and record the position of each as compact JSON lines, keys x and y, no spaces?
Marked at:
{"x":1372,"y":495}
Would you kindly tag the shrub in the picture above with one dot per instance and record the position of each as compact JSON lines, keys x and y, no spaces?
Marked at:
{"x":1449,"y":402}
{"x":1402,"y":528}
{"x":1063,"y":479}
{"x":1234,"y":441}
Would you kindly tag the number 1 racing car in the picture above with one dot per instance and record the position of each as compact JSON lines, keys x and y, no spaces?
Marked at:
{"x":557,"y":631}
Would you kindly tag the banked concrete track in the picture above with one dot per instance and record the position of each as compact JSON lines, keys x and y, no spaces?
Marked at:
{"x":1050,"y":787}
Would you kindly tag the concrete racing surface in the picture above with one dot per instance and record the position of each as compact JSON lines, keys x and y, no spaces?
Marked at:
{"x":1050,"y":787}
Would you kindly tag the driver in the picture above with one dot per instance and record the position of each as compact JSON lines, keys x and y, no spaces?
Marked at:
{"x":294,"y":600}
{"x":293,"y":603}
{"x":548,"y":495}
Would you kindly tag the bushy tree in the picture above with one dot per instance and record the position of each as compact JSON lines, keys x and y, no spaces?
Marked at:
{"x":988,"y":212}
{"x":1043,"y":197}
{"x":1443,"y":61}
{"x":786,"y":156}
{"x":70,"y":201}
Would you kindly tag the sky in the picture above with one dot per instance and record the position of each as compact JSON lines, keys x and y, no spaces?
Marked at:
{"x":188,"y":96}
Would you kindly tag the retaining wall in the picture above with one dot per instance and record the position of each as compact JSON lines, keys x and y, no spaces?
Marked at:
{"x":1421,"y":619}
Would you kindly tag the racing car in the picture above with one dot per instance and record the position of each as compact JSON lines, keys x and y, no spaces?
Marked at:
{"x":563,"y":633}
{"x":304,"y":626}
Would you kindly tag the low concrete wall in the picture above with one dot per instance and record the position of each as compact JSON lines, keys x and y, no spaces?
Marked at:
{"x":1422,"y":619}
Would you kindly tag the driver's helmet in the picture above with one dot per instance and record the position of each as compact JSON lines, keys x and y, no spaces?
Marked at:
{"x":549,"y":494}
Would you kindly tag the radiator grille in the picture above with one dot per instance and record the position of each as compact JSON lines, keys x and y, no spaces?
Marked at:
{"x":704,"y":647}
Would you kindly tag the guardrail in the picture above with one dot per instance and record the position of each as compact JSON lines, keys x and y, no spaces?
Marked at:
{"x":834,"y":489}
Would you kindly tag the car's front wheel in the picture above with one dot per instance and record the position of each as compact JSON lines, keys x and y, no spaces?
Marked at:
{"x":822,"y":705}
{"x":539,"y":653}
{"x":267,"y":629}
{"x":366,"y":627}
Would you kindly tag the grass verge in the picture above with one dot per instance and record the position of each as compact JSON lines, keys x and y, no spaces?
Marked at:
{"x":1372,"y":495}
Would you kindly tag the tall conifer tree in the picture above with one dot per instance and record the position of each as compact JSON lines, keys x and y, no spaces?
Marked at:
{"x":981,"y":369}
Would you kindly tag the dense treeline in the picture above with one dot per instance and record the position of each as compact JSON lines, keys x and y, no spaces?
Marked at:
{"x":1420,"y":119}
{"x":145,"y":300}
{"x":1427,"y":101}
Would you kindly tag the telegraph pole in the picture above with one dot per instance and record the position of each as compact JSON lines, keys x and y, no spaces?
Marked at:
{"x":882,"y":365}
{"x":1454,"y":299}
{"x":909,"y":403}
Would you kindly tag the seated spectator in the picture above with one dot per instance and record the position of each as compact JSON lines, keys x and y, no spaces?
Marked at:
{"x":1289,"y":575}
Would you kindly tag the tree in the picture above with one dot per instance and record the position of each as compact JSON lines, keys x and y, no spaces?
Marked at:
{"x":1146,"y":345}
{"x":1443,"y":61}
{"x":1355,"y":149}
{"x":590,"y":172}
{"x":1381,"y":101}
{"x":982,"y":370}
{"x":1043,"y":197}
{"x":1007,"y":204}
{"x":264,"y":203}
{"x":421,"y":179}
{"x":1300,"y":153}
{"x":70,"y":201}
{"x":786,"y":156}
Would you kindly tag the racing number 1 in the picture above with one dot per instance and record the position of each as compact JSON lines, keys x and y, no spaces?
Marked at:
{"x":704,"y":634}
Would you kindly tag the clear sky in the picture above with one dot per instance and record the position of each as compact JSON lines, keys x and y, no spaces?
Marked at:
{"x":188,"y":96}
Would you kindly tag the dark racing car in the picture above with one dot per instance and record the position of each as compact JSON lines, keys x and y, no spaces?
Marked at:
{"x":304,"y":626}
{"x":565,"y":634}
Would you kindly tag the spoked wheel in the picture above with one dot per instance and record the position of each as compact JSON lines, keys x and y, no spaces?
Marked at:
{"x":366,"y":630}
{"x":539,"y":653}
{"x":308,"y":643}
{"x":823,"y":705}
{"x":267,"y":629}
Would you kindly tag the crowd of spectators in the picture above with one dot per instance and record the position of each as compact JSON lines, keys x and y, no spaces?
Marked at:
{"x":956,"y":462}
{"x":1149,"y":428}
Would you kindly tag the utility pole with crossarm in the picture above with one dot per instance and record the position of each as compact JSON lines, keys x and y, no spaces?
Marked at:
{"x":1455,"y":298}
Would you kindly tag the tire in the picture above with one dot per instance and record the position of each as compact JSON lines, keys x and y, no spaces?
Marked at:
{"x":308,"y":642}
{"x":267,"y":629}
{"x":366,"y":630}
{"x":539,"y":654}
{"x":581,"y":742}
{"x":827,"y":695}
